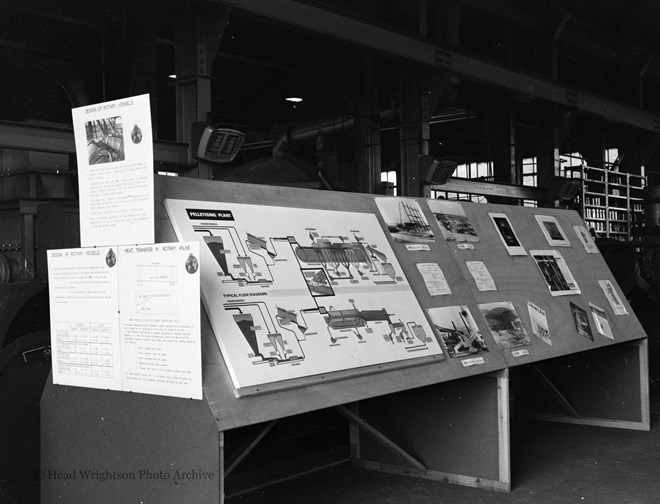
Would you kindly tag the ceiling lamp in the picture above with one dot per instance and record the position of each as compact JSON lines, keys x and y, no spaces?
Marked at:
{"x":293,"y":99}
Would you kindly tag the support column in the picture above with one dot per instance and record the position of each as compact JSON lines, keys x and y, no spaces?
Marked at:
{"x":142,"y":31}
{"x":500,"y":130}
{"x":198,"y":39}
{"x":414,"y":130}
{"x":367,"y":130}
{"x":554,"y":126}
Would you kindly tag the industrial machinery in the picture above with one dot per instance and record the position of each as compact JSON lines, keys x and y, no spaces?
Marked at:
{"x":38,"y":211}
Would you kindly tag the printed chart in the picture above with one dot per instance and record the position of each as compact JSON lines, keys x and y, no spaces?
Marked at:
{"x":296,"y":293}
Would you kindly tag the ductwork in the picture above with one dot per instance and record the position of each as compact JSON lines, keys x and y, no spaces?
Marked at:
{"x":339,"y":126}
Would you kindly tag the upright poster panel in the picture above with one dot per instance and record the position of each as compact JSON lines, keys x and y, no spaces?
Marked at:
{"x":294,"y":295}
{"x":115,"y":171}
{"x":127,"y":318}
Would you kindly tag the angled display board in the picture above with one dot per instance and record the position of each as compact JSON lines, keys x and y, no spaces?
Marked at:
{"x":416,"y":266}
{"x":295,"y":276}
{"x":300,"y":294}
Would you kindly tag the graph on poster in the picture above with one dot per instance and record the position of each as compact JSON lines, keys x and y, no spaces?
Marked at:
{"x":294,"y":293}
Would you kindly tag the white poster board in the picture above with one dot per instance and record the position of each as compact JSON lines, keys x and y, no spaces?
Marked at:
{"x":295,"y":294}
{"x":115,"y":171}
{"x":127,"y":318}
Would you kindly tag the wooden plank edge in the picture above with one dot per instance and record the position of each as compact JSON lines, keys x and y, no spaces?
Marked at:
{"x":643,"y":425}
{"x":337,"y":375}
{"x":645,"y":392}
{"x":444,"y":477}
{"x":504,"y":428}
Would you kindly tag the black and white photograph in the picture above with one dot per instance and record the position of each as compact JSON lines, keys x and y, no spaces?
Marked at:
{"x":458,"y":330}
{"x":505,"y":325}
{"x":552,"y":231}
{"x":454,"y":224}
{"x":581,"y":320}
{"x":556,"y":274}
{"x":105,"y":140}
{"x":358,"y":179}
{"x":507,"y":234}
{"x":405,"y":220}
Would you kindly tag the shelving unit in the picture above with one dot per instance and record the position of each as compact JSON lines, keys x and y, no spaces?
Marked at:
{"x":610,"y":202}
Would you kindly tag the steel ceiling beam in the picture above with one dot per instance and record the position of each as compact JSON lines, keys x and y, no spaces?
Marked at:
{"x":426,"y":53}
{"x":61,"y":141}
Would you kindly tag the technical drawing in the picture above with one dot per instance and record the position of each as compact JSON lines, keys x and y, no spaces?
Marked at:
{"x":294,"y":293}
{"x":156,"y":273}
{"x":155,"y":303}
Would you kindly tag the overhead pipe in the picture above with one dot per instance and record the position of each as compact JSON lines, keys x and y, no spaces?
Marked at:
{"x":340,"y":126}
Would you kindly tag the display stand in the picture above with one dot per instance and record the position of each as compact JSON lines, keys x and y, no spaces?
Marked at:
{"x":442,"y":420}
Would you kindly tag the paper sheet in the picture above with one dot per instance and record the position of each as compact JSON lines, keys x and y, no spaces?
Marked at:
{"x":434,"y":279}
{"x":481,"y":276}
{"x":127,"y":318}
{"x":540,"y":327}
{"x":613,"y":297}
{"x":115,"y":171}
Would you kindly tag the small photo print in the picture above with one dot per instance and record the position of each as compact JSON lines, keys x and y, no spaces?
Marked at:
{"x":105,"y":140}
{"x":552,"y":231}
{"x":600,"y":321}
{"x":507,"y":234}
{"x":405,"y":220}
{"x":458,"y":330}
{"x":581,"y":322}
{"x":505,"y":324}
{"x":452,"y":220}
{"x":555,"y":272}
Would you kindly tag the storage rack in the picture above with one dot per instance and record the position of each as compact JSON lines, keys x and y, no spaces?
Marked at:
{"x":611,"y":202}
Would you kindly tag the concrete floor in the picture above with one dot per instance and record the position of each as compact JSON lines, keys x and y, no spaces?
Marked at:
{"x":551,"y":464}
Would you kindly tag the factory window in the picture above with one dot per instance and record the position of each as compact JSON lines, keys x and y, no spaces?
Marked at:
{"x":570,"y":164}
{"x":479,"y":170}
{"x":611,"y":156}
{"x":168,"y":173}
{"x":388,"y":183}
{"x":529,"y":178}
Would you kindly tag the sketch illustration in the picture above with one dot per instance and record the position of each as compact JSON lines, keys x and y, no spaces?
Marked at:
{"x":405,"y":220}
{"x":303,"y":292}
{"x":458,"y":330}
{"x":454,"y":223}
{"x":505,"y":324}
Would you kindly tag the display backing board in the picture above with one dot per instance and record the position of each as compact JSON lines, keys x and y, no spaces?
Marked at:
{"x":231,"y":412}
{"x":302,"y":294}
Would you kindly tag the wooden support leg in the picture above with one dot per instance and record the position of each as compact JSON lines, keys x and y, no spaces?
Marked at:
{"x":380,"y":438}
{"x":554,"y":392}
{"x":606,"y":387}
{"x":247,"y":447}
{"x":457,"y":431}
